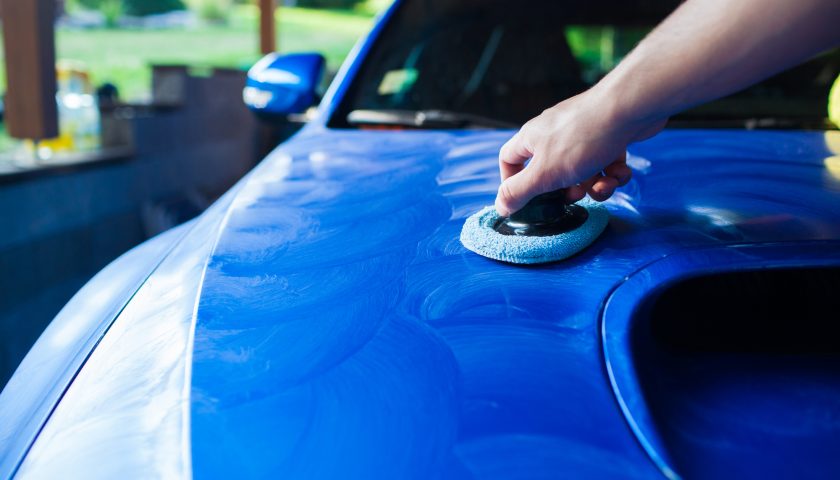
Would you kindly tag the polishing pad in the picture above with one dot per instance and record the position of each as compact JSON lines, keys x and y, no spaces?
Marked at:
{"x":479,"y":235}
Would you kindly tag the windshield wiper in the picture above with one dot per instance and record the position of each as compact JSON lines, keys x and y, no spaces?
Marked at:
{"x":431,"y":119}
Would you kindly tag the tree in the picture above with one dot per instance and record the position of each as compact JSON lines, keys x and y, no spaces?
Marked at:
{"x":343,"y":4}
{"x":142,"y":8}
{"x":131,"y":7}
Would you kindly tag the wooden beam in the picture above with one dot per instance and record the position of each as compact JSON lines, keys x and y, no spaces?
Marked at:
{"x":29,"y":46}
{"x":268,"y":39}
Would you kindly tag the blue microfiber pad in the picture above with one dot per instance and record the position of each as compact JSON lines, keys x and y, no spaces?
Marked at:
{"x":479,"y":236}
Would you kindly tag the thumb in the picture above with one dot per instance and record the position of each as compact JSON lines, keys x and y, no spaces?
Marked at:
{"x":513,"y":155}
{"x":517,"y":190}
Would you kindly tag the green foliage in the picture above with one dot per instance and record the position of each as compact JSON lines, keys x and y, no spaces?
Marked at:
{"x":88,"y":4}
{"x":216,"y":11}
{"x":131,"y":7}
{"x":7,"y":143}
{"x":142,"y":8}
{"x":336,"y":4}
{"x":111,"y":10}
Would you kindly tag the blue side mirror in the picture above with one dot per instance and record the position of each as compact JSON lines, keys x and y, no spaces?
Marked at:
{"x":281,"y":85}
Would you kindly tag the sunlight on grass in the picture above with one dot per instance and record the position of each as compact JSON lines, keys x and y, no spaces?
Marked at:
{"x":6,"y":143}
{"x":123,"y":56}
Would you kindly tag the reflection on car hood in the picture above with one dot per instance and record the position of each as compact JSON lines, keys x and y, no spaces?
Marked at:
{"x":340,"y":309}
{"x":341,"y":330}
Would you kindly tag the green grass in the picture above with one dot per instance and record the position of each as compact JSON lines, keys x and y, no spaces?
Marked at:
{"x":6,"y":143}
{"x":123,"y":56}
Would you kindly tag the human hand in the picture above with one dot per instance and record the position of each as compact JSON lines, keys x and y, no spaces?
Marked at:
{"x":579,"y":144}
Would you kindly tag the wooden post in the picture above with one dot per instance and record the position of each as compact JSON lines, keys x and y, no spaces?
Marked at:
{"x":268,"y":42}
{"x":29,"y":46}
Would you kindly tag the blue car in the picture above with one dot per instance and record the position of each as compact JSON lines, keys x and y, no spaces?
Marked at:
{"x":322,"y":320}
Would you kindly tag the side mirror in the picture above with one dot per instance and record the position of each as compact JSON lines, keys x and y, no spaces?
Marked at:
{"x":281,"y":85}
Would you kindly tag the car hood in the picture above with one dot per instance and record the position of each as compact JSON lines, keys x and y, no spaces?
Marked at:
{"x":340,"y":308}
{"x":339,"y":328}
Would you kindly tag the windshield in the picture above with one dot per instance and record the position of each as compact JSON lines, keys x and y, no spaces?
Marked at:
{"x":507,"y":61}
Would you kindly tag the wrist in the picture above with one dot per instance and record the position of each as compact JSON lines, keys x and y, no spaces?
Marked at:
{"x":625,"y":108}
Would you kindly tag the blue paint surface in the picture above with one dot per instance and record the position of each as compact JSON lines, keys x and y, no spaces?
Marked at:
{"x":283,"y":84}
{"x":343,"y":330}
{"x":718,"y":413}
{"x":49,"y":368}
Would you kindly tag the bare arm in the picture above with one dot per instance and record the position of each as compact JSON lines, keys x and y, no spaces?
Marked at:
{"x":704,"y":50}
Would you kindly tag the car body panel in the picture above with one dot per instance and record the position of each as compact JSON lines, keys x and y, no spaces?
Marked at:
{"x":53,"y":362}
{"x":342,"y":328}
{"x":127,"y":411}
{"x":716,"y":398}
{"x":340,"y":315}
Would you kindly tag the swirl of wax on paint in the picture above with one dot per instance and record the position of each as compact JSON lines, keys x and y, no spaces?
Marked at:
{"x":389,"y":410}
{"x":279,"y":342}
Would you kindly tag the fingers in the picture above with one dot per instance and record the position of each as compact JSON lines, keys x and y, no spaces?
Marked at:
{"x":518,"y":183}
{"x":603,"y":188}
{"x":516,"y":190}
{"x":620,"y":171}
{"x":576,"y":193}
{"x":616,"y":174}
{"x":513,"y":155}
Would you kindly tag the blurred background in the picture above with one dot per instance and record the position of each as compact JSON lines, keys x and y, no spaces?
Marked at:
{"x":151,"y":129}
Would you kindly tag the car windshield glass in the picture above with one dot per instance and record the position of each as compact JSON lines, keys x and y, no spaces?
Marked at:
{"x":509,"y":60}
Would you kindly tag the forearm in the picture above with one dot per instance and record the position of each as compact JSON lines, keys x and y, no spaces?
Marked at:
{"x":704,"y":50}
{"x":710,"y":48}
